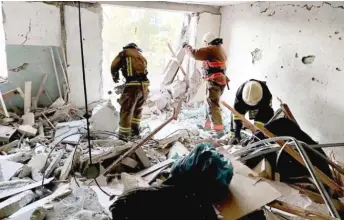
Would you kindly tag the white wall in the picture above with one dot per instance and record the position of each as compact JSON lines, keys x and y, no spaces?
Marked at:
{"x":92,"y":29}
{"x":33,"y":23}
{"x":3,"y":64}
{"x":314,"y":92}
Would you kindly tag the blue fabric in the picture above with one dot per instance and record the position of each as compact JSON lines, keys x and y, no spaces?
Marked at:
{"x":203,"y":169}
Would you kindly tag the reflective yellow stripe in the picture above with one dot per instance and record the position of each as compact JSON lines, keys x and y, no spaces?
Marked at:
{"x":259,"y":123}
{"x":129,"y":66}
{"x":236,"y":117}
{"x":271,"y":103}
{"x":135,"y":83}
{"x":125,"y":129}
{"x":136,"y":120}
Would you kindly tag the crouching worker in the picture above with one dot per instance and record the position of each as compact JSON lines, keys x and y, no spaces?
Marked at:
{"x":214,"y":66}
{"x":254,"y":97}
{"x":133,"y":66}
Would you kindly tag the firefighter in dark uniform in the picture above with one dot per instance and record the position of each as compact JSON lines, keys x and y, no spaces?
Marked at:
{"x":214,"y":65}
{"x":255,"y":98}
{"x":133,"y":66}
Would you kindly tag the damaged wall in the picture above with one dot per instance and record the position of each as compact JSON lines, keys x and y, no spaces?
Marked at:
{"x":31,"y":28}
{"x":272,"y":40}
{"x":92,"y":23}
{"x":3,"y":65}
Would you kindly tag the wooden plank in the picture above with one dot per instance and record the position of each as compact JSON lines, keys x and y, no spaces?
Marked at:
{"x":247,"y":193}
{"x":143,"y":157}
{"x":324,"y":178}
{"x":155,"y":167}
{"x":10,"y":192}
{"x":42,"y":87}
{"x":55,"y":71}
{"x":27,"y":99}
{"x":316,"y":197}
{"x":306,"y":214}
{"x":3,"y":105}
{"x":130,"y":162}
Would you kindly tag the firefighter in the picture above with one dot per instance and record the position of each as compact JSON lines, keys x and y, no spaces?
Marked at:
{"x":254,"y":97}
{"x":133,"y":66}
{"x":214,"y":66}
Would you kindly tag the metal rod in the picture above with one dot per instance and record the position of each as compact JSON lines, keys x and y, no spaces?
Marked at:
{"x":311,"y":170}
{"x":56,"y":74}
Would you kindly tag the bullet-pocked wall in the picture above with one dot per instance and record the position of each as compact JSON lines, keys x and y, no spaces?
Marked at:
{"x":298,"y":48}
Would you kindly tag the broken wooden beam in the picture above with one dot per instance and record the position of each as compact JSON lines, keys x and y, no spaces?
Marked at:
{"x":134,"y":148}
{"x":143,"y":157}
{"x":324,"y":178}
{"x":27,"y":99}
{"x":295,"y":210}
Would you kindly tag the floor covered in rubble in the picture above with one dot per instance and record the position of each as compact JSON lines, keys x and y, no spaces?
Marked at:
{"x":53,"y":167}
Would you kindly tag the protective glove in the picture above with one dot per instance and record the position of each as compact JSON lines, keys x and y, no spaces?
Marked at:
{"x":116,"y":78}
{"x":185,"y":44}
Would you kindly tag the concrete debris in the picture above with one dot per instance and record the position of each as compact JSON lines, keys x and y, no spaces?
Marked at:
{"x":8,"y":169}
{"x":6,"y":133}
{"x":308,"y":59}
{"x":100,"y":119}
{"x":178,"y":150}
{"x":132,"y":182}
{"x":29,"y":119}
{"x":13,"y":204}
{"x":27,"y":130}
{"x":177,"y":88}
{"x":58,"y":103}
{"x":129,"y":162}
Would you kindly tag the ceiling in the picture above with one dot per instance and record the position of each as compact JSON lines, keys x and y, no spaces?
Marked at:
{"x":210,"y":2}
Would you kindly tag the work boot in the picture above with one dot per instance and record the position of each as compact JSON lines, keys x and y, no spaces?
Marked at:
{"x":136,"y":132}
{"x":123,"y":137}
{"x":218,"y":134}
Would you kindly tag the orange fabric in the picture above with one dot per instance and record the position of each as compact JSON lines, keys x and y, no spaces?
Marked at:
{"x":219,"y":78}
{"x":220,"y":64}
{"x":218,"y":127}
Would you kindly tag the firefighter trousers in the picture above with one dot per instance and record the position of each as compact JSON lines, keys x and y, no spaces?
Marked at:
{"x":214,"y":118}
{"x":132,"y":101}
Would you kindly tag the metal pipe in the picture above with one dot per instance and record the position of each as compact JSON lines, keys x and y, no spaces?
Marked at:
{"x":311,"y":170}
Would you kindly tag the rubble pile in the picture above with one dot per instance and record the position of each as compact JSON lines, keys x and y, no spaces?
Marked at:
{"x":46,"y":172}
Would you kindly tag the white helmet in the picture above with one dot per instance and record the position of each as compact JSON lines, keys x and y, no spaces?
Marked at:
{"x":252,"y":93}
{"x":208,"y":38}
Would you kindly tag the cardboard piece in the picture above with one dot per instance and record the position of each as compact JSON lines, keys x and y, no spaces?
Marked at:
{"x":247,"y":193}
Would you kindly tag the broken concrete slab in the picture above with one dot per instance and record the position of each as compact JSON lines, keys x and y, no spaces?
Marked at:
{"x":28,"y":119}
{"x":67,"y":167}
{"x":178,"y":150}
{"x":13,"y":204}
{"x":155,"y":167}
{"x":172,"y":69}
{"x":38,"y":161}
{"x":89,"y":215}
{"x":28,"y":211}
{"x":25,"y":171}
{"x":105,"y":153}
{"x":64,"y":132}
{"x":163,"y":143}
{"x":143,"y":157}
{"x":177,"y":88}
{"x":13,"y":191}
{"x":8,"y":169}
{"x":20,"y":157}
{"x":105,"y":119}
{"x":54,"y":163}
{"x":27,"y":130}
{"x":81,"y":199}
{"x":58,"y":103}
{"x":10,"y":145}
{"x":6,"y":132}
{"x":132,"y":181}
{"x":129,"y":162}
{"x":7,"y":185}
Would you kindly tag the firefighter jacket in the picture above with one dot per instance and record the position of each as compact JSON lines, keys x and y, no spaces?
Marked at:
{"x":260,"y":113}
{"x":133,"y":66}
{"x":214,"y":62}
